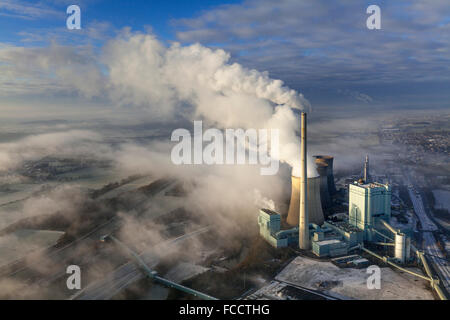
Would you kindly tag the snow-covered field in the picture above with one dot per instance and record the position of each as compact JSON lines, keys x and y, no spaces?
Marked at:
{"x":352,"y":283}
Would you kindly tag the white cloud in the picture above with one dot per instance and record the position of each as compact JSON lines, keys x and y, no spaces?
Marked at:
{"x":327,"y":43}
{"x":28,"y":10}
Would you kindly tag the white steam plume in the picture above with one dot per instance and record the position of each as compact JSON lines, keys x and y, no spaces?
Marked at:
{"x":199,"y":82}
{"x":191,"y":81}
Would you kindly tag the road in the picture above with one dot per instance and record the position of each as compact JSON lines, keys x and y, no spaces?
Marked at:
{"x":434,"y":254}
{"x":129,"y":273}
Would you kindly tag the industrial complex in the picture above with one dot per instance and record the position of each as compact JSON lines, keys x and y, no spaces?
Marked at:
{"x":367,"y":223}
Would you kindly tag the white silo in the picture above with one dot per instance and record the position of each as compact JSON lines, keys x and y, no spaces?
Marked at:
{"x":400,"y":247}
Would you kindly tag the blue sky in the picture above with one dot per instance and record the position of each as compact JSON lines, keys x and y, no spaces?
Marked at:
{"x":320,"y":48}
{"x":139,"y":14}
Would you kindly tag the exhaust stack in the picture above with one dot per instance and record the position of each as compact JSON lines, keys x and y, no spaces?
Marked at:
{"x":303,"y":230}
{"x":366,"y":170}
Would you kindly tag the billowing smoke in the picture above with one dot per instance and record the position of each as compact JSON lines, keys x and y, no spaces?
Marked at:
{"x":172,"y":82}
{"x":142,"y":71}
{"x":199,"y":82}
{"x":263,"y":202}
{"x":311,"y":168}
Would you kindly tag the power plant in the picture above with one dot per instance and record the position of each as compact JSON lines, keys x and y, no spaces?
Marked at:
{"x":367,"y":223}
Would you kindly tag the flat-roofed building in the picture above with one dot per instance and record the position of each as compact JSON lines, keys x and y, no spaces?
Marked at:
{"x":369,"y":202}
{"x":270,"y":229}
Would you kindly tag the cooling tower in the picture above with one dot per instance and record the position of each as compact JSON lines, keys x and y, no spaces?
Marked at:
{"x":314,"y":206}
{"x":322,"y":169}
{"x":328,"y":160}
{"x":294,"y":205}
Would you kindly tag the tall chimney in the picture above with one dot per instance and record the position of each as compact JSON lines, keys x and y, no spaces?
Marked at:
{"x":366,"y":170}
{"x":303,"y":228}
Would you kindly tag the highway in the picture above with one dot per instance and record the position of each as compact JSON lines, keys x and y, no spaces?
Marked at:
{"x":129,"y":273}
{"x":434,"y":254}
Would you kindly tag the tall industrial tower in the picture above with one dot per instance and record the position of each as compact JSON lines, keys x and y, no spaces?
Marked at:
{"x":303,"y":230}
{"x":366,"y":170}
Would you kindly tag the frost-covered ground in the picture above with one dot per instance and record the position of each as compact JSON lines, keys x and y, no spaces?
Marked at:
{"x":18,"y":244}
{"x":412,"y":221}
{"x":352,"y":283}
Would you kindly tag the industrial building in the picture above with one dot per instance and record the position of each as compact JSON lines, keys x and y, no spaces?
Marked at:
{"x":368,"y":204}
{"x":270,"y":229}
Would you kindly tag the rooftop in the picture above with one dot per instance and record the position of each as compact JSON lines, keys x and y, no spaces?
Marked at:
{"x":344,"y":225}
{"x":370,"y":185}
{"x":270,"y":212}
{"x":325,"y":242}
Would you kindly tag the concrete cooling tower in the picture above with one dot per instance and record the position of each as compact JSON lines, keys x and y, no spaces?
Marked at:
{"x":315,"y":213}
{"x":327,"y":160}
{"x":325,"y":197}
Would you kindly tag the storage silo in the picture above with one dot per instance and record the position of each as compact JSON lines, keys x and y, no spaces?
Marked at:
{"x":400,"y":247}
